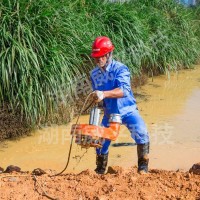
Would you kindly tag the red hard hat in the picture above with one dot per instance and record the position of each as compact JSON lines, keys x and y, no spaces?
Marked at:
{"x":101,"y":46}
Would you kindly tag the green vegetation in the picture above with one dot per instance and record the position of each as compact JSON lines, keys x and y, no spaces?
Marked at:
{"x":46,"y":43}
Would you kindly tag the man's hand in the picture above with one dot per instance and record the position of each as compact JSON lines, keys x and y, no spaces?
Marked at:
{"x":98,"y":96}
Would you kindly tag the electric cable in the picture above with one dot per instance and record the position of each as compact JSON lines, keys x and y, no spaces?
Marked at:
{"x":69,"y":154}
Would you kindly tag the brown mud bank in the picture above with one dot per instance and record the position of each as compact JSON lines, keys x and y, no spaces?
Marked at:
{"x":118,"y":183}
{"x":12,"y":126}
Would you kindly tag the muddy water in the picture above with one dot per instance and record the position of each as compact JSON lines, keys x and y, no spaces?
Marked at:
{"x":171,"y":109}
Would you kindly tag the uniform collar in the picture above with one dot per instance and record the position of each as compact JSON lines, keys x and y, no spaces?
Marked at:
{"x":109,"y":67}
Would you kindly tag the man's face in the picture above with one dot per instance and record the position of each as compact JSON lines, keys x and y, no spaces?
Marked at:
{"x":101,"y":61}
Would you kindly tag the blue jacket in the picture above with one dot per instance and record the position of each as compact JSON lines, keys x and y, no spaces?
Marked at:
{"x":117,"y":75}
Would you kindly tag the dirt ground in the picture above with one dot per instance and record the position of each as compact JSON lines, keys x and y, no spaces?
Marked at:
{"x":118,"y":183}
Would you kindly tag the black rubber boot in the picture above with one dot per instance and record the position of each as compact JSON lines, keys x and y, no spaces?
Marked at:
{"x":143,"y":160}
{"x":101,"y":162}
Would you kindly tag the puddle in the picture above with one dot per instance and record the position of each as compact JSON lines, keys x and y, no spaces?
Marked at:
{"x":171,"y":110}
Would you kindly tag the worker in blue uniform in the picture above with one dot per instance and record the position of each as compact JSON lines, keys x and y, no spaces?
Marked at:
{"x":111,"y":84}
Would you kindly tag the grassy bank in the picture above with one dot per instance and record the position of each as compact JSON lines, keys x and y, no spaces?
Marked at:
{"x":46,"y":43}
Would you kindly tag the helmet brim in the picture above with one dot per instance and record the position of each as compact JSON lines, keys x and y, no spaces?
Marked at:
{"x":100,"y":53}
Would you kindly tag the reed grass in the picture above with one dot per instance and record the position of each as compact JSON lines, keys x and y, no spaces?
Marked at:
{"x":46,"y":43}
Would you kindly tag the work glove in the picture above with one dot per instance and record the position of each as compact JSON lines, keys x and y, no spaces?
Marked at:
{"x":98,"y":96}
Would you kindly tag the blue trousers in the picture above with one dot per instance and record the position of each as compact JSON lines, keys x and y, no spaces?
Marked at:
{"x":135,"y":125}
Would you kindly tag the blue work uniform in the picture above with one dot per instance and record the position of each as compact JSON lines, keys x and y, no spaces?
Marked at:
{"x":117,"y":75}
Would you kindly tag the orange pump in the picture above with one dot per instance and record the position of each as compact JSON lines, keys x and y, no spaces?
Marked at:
{"x":93,"y":135}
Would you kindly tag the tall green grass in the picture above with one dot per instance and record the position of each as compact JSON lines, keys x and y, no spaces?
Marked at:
{"x":46,"y":43}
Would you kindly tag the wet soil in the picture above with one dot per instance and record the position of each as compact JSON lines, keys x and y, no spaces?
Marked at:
{"x":11,"y":124}
{"x":119,"y":183}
